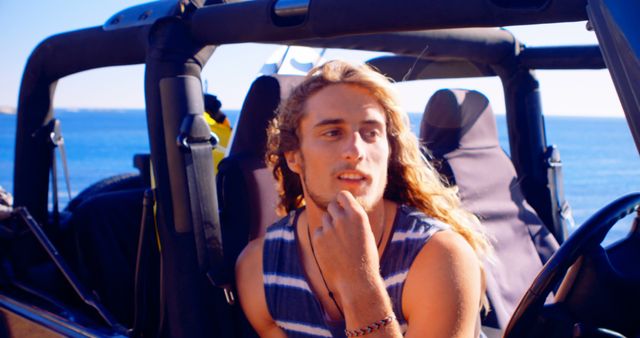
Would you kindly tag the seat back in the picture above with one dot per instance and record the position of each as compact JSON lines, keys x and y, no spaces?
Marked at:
{"x":459,"y":129}
{"x":247,"y":193}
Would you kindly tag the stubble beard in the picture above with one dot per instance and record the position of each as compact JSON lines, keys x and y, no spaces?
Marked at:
{"x":323,"y":203}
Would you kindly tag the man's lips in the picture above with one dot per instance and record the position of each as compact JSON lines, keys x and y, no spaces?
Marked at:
{"x":352,"y":176}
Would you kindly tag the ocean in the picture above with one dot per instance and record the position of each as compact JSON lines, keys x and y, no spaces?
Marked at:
{"x":600,"y":160}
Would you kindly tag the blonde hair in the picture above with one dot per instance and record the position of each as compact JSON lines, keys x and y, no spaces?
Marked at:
{"x":411,"y":179}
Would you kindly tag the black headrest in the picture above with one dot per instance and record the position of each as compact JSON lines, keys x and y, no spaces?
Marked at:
{"x":211,"y":103}
{"x":257,"y":110}
{"x":458,"y":119}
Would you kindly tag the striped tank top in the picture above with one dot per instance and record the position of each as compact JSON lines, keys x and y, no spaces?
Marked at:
{"x":290,"y":301}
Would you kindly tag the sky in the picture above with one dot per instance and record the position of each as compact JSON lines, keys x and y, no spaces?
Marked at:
{"x":231,"y":69}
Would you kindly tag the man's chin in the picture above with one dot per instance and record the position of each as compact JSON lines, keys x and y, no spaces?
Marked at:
{"x":366,"y":202}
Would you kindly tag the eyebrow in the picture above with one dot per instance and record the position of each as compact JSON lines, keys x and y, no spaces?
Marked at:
{"x":329,"y":122}
{"x":374,"y":123}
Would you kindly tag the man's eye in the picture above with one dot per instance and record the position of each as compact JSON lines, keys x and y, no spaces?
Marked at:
{"x":371,"y":134}
{"x":331,"y":133}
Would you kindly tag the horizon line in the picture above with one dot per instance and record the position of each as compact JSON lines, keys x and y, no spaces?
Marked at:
{"x":10,"y":110}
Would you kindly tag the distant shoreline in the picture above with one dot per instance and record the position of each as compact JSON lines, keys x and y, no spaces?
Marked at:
{"x":6,"y":110}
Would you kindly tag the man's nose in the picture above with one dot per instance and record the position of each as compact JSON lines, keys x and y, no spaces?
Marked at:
{"x":354,"y":147}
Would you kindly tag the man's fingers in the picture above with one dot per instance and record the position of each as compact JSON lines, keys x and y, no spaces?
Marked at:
{"x":344,"y":198}
{"x":334,"y":209}
{"x":347,"y":201}
{"x":327,"y":221}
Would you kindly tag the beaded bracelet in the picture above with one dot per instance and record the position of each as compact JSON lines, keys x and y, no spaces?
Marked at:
{"x":371,"y":327}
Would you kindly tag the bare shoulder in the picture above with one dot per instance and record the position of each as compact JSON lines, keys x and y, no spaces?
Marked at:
{"x":249,"y":277}
{"x":250,"y":286}
{"x":251,"y":256}
{"x":443,"y":289}
{"x":449,"y":246}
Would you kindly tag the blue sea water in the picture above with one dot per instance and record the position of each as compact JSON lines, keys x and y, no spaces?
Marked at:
{"x":600,"y":160}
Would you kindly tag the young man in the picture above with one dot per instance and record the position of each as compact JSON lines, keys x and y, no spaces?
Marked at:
{"x":374,"y":243}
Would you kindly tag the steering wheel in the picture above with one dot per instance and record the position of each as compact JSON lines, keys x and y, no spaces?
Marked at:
{"x":529,"y":316}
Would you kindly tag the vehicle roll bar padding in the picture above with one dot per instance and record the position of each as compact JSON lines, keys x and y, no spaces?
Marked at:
{"x":197,"y":187}
{"x":92,"y":48}
{"x":220,"y":24}
{"x":173,"y":57}
{"x":562,"y":57}
{"x":181,"y":99}
{"x":291,"y":8}
{"x":527,"y":139}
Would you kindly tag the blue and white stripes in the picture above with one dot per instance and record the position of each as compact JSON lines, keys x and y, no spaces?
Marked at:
{"x":420,"y":230}
{"x":304,"y":329}
{"x":396,"y":279}
{"x":281,"y":234}
{"x":276,"y":280}
{"x":291,"y":301}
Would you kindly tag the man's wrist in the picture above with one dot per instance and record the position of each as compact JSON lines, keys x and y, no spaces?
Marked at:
{"x":373,"y":327}
{"x":360,"y":286}
{"x":365,"y":301}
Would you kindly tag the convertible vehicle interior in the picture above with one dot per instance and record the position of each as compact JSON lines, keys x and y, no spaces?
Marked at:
{"x":159,"y":257}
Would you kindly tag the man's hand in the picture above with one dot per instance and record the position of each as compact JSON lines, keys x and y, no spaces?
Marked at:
{"x":345,"y":246}
{"x":348,"y":257}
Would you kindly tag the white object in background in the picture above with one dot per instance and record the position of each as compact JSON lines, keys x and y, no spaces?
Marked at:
{"x":292,"y":60}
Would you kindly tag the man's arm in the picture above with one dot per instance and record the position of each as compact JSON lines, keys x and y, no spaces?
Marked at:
{"x":348,"y":258}
{"x":443,"y":290}
{"x":442,"y":293}
{"x":251,"y":290}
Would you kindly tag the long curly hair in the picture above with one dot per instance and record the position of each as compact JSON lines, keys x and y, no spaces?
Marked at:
{"x":411,"y":179}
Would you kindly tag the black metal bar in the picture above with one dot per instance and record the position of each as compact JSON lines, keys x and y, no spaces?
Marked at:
{"x":173,"y":53}
{"x":220,"y":24}
{"x":527,"y":140}
{"x":291,"y":8}
{"x":565,"y":57}
{"x":147,"y":311}
{"x":50,"y":321}
{"x":92,"y":48}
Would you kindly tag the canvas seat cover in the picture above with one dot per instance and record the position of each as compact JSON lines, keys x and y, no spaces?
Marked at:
{"x":246,"y":188}
{"x":459,"y":129}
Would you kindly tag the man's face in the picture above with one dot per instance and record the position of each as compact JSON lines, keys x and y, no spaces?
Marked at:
{"x":343,"y":146}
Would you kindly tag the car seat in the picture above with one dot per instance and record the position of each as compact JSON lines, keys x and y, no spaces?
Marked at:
{"x":247,"y":194}
{"x":459,"y":130}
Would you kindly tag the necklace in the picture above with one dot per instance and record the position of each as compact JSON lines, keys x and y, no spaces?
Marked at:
{"x":324,"y":281}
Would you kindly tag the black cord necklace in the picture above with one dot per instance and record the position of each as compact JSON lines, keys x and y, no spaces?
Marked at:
{"x":324,"y":281}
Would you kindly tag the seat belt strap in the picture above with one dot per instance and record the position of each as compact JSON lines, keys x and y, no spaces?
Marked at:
{"x":65,"y":167}
{"x":52,"y":133}
{"x":561,"y":210}
{"x":204,"y":209}
{"x":58,"y":141}
{"x":54,"y":185}
{"x":206,"y":224}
